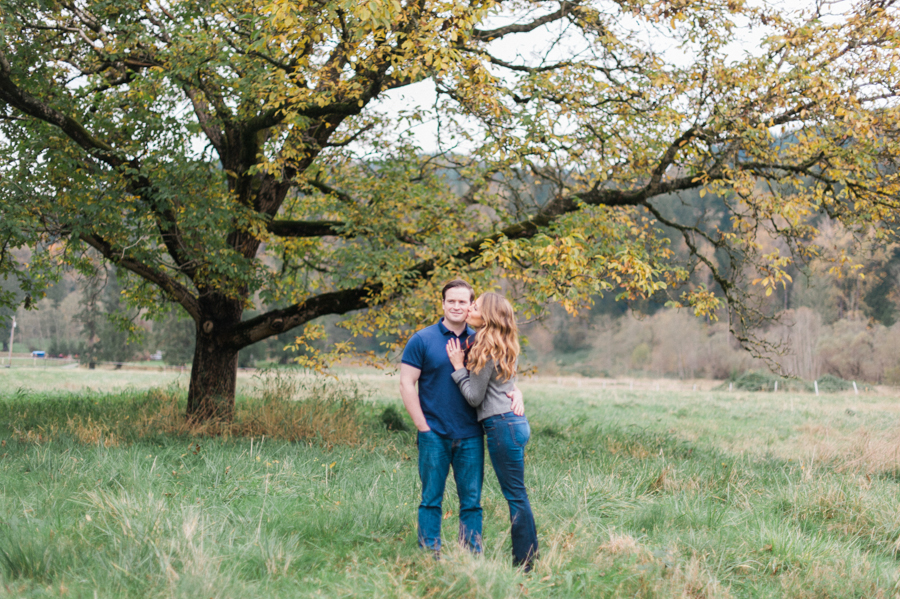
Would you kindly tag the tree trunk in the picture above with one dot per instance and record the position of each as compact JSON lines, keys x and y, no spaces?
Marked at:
{"x":213,"y":382}
{"x":214,"y":369}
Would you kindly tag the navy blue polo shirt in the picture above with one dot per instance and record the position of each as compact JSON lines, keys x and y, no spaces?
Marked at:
{"x":445,"y":408}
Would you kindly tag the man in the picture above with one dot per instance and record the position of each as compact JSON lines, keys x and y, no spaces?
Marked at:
{"x":449,"y":432}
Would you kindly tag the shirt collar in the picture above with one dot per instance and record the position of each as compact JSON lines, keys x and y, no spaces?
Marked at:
{"x":446,"y":331}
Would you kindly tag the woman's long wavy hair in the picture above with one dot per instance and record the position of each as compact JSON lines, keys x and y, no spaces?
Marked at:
{"x":498,"y":339}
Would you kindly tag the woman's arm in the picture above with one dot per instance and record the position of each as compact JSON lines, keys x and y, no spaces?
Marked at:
{"x":472,"y":386}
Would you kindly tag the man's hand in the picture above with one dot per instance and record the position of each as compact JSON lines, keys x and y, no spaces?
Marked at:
{"x":518,"y":401}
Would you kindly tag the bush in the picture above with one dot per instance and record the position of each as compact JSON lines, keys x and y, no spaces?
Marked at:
{"x":393,"y":420}
{"x":756,"y":380}
{"x":832,"y":384}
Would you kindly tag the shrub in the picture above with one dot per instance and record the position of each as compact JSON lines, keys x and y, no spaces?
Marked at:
{"x":757,"y":380}
{"x":393,"y":420}
{"x":831,"y":384}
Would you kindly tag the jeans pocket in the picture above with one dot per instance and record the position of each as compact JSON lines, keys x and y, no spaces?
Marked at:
{"x":422,"y":435}
{"x":520,"y":432}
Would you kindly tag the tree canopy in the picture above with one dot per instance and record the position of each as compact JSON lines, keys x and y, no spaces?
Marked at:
{"x":234,"y":154}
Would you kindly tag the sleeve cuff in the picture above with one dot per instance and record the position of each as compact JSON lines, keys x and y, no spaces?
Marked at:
{"x":459,"y":374}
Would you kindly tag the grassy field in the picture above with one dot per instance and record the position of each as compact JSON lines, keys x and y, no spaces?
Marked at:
{"x":636,"y":493}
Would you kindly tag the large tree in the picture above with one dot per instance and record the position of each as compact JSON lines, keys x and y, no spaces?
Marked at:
{"x":233,"y":154}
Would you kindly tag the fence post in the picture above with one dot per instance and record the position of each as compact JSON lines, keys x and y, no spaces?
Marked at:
{"x":12,"y":334}
{"x":816,"y":385}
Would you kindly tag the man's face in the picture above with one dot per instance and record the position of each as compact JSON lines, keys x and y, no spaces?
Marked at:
{"x":456,"y":305}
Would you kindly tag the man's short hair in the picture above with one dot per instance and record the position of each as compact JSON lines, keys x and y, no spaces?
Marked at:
{"x":458,"y":283}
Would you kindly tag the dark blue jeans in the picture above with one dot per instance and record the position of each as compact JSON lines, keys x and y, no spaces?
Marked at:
{"x":507,"y":435}
{"x":436,"y":455}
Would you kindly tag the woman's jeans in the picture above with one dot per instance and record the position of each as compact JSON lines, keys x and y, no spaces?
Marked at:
{"x":436,"y":455}
{"x":507,"y":435}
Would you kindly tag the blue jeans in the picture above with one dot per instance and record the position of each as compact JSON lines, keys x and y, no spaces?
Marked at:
{"x":507,"y":435}
{"x":436,"y":455}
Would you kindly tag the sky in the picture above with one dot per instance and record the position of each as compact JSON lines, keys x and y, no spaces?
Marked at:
{"x":521,"y":49}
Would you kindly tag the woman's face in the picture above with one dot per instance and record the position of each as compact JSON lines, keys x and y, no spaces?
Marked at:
{"x":474,"y":319}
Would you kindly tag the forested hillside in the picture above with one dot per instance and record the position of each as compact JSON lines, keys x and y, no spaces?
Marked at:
{"x":838,"y":314}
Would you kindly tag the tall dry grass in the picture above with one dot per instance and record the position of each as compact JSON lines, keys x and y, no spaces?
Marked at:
{"x":865,"y":451}
{"x":283,"y":406}
{"x":871,"y":452}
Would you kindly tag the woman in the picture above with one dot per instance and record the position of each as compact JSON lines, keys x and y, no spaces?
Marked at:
{"x":490,"y":376}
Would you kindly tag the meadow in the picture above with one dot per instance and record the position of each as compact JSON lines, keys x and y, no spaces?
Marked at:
{"x":637,"y":493}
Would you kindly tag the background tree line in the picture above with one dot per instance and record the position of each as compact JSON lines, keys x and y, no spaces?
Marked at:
{"x":85,"y":318}
{"x":837,"y":312}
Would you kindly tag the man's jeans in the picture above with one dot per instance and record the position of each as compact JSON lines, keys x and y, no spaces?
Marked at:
{"x":507,"y":435}
{"x":436,"y":455}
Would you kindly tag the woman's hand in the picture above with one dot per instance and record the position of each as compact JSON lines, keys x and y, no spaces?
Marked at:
{"x":455,"y":353}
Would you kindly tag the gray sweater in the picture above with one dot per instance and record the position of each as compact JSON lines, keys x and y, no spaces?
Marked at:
{"x":485,"y":391}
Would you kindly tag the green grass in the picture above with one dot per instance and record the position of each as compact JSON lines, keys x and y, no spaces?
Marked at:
{"x":637,"y":494}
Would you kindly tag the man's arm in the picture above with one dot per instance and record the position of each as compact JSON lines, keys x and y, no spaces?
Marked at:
{"x":518,"y":405}
{"x":409,"y":375}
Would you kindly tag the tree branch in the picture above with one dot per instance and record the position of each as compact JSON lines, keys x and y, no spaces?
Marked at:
{"x":176,"y":290}
{"x":12,"y":94}
{"x":139,"y":184}
{"x":358,"y":298}
{"x":329,"y":190}
{"x":201,"y":109}
{"x":514,"y":67}
{"x":748,"y":318}
{"x":304,"y":228}
{"x":670,"y":154}
{"x":487,"y":35}
{"x":351,"y":139}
